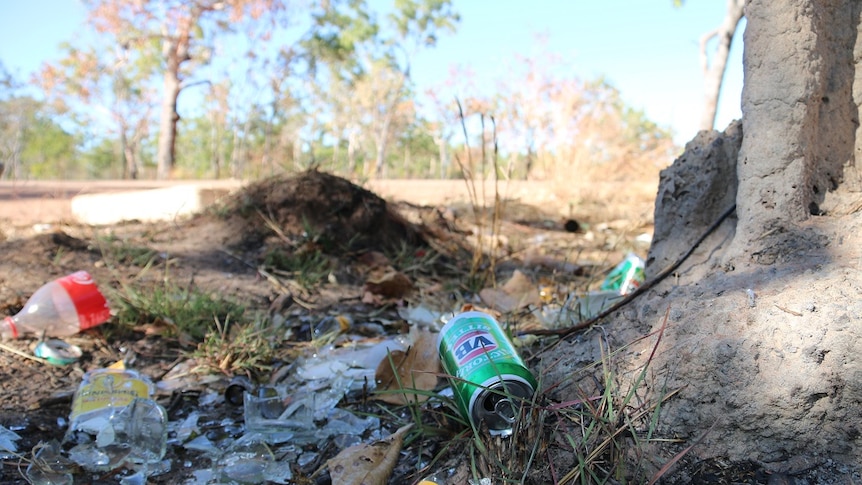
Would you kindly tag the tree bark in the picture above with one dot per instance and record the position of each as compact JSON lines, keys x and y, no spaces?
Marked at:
{"x":175,"y":51}
{"x":351,"y":151}
{"x":168,"y":119}
{"x":130,"y":166}
{"x":713,"y":75}
{"x":382,"y":140}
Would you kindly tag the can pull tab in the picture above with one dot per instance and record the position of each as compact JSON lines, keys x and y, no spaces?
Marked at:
{"x":506,"y":410}
{"x":502,"y":407}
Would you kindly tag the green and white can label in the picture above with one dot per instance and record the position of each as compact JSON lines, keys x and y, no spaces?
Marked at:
{"x":488,"y":377}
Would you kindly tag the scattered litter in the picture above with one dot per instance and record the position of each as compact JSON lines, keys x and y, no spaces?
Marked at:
{"x":115,"y":421}
{"x":644,"y":238}
{"x":368,"y":464}
{"x":42,"y":228}
{"x":421,"y":316}
{"x":202,"y":443}
{"x":236,"y":388}
{"x":517,"y":292}
{"x":49,"y":466}
{"x":251,"y":460}
{"x":57,"y":352}
{"x":626,"y":276}
{"x":59,"y":308}
{"x":414,"y":370}
{"x":8,"y":440}
{"x":490,"y":380}
{"x":751,"y":297}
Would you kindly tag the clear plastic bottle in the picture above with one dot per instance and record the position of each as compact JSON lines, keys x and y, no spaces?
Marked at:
{"x":114,"y":420}
{"x":60,"y":308}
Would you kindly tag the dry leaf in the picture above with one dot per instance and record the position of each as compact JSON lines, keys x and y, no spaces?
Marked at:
{"x":517,"y":293}
{"x":374,"y":259}
{"x":417,"y":368}
{"x":389,"y":284}
{"x":371,"y":299}
{"x":367,"y":464}
{"x":498,"y":299}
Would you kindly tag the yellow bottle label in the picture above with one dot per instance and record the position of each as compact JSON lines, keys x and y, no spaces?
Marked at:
{"x":107,"y":389}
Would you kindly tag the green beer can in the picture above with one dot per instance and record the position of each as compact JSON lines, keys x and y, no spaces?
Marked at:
{"x":488,"y":377}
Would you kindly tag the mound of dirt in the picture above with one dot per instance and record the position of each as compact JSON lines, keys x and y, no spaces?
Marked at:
{"x":332,"y":212}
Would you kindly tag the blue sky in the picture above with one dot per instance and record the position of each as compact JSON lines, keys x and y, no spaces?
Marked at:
{"x":646,"y":48}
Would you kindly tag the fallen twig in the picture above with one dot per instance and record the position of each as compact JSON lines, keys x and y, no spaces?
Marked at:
{"x":23,"y":354}
{"x":787,"y":310}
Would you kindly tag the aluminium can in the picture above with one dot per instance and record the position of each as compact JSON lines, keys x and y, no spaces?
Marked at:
{"x":489,"y":379}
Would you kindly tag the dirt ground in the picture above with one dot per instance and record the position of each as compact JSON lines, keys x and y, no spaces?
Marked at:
{"x":563,"y":242}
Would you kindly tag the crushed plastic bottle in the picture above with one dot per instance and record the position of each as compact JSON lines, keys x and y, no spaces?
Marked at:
{"x":60,"y":308}
{"x":587,"y":305}
{"x":114,"y":420}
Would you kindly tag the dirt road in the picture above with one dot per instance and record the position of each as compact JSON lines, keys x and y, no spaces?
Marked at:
{"x":34,"y":202}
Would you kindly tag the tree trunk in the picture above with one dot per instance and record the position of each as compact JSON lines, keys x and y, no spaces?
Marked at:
{"x":168,"y":119}
{"x":297,"y":151}
{"x":351,"y":151}
{"x":336,"y":147}
{"x":215,"y":148}
{"x":714,"y":74}
{"x":175,"y":51}
{"x":382,"y":140}
{"x":442,"y":155}
{"x":130,"y":160}
{"x":14,"y":168}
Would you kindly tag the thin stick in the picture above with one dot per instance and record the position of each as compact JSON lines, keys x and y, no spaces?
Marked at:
{"x":22,"y":354}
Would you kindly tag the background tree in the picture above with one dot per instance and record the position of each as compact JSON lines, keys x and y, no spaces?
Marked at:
{"x":551,"y":123}
{"x":32,"y":143}
{"x":713,"y":72}
{"x":366,"y":66}
{"x":183,"y":31}
{"x":113,"y":87}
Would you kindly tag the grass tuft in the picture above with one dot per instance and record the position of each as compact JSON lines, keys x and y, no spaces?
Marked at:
{"x":185,"y":309}
{"x":120,"y":252}
{"x":486,"y":246}
{"x":307,"y":268}
{"x":236,"y":349}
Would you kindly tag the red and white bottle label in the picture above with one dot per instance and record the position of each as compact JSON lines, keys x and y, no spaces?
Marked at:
{"x":90,"y":304}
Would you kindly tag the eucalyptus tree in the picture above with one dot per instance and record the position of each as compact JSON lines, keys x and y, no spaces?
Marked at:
{"x":104,"y":89}
{"x":359,"y":68}
{"x":181,"y":34}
